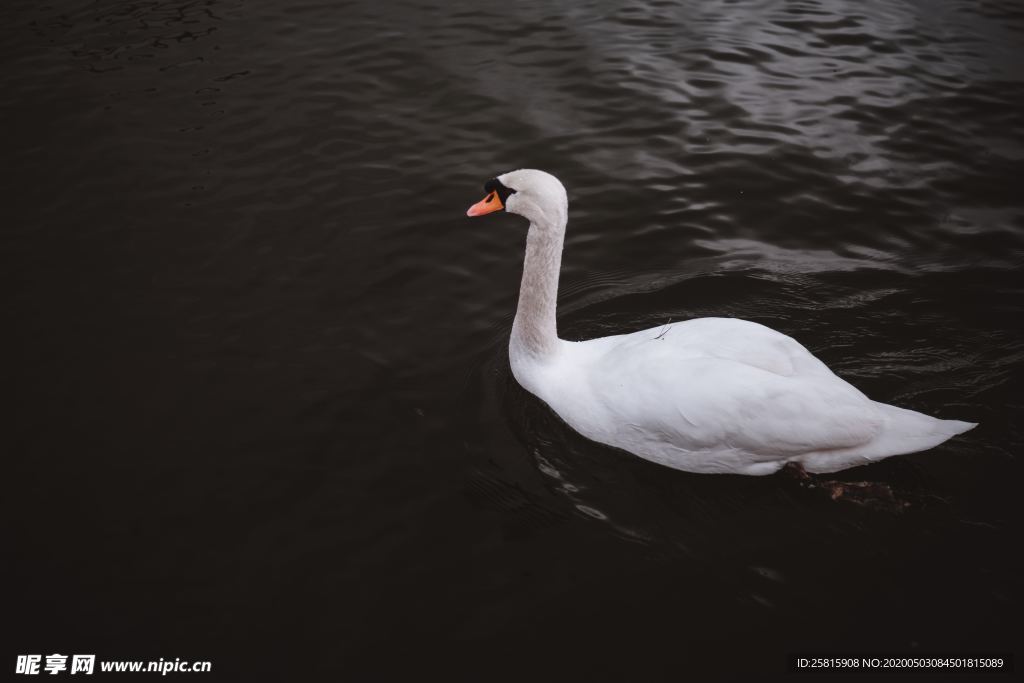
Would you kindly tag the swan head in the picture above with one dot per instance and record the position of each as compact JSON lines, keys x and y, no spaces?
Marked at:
{"x":535,"y":195}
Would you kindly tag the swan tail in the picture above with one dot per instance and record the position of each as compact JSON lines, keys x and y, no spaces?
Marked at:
{"x":911,"y":431}
{"x":903,"y":431}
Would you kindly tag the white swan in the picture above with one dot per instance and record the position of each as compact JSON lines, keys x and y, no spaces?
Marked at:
{"x":703,"y":395}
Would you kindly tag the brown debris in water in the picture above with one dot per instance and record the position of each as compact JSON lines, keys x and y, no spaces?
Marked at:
{"x":869,"y":494}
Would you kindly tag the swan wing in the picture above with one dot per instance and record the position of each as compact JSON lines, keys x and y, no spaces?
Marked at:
{"x":712,"y":393}
{"x":738,"y":340}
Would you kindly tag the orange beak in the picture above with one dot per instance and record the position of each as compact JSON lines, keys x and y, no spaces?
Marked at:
{"x":488,"y":204}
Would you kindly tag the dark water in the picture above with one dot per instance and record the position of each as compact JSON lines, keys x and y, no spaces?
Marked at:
{"x":261,"y":411}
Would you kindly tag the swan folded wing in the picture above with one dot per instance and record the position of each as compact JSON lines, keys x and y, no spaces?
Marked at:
{"x":702,"y":404}
{"x":742,"y":341}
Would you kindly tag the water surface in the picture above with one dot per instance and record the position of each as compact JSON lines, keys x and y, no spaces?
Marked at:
{"x":262,"y":407}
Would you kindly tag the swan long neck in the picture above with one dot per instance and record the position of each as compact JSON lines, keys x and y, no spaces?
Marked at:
{"x":534,"y":331}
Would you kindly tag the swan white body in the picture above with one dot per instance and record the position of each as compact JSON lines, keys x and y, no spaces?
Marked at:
{"x":704,"y":395}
